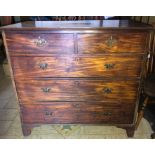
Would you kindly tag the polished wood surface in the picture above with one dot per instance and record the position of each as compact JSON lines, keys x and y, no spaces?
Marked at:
{"x":71,"y":89}
{"x":78,"y":66}
{"x":86,"y":43}
{"x":64,"y":113}
{"x":112,"y":42}
{"x":27,"y":43}
{"x":78,"y":72}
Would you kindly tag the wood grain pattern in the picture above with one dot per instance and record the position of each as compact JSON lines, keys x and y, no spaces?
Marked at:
{"x":125,"y":42}
{"x":64,"y":113}
{"x":86,"y":73}
{"x":70,"y":90}
{"x":26,"y":43}
{"x":77,"y":66}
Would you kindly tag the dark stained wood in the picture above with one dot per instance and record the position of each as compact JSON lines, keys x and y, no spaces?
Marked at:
{"x":70,"y":90}
{"x":153,"y":136}
{"x":59,"y":43}
{"x":78,"y":66}
{"x":149,"y":86}
{"x":27,"y":43}
{"x":130,"y":131}
{"x":26,"y":130}
{"x":112,"y":42}
{"x":85,"y":72}
{"x":64,"y":113}
{"x":88,"y":106}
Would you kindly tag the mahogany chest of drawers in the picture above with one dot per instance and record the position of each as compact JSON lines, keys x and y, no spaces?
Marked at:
{"x":81,"y":72}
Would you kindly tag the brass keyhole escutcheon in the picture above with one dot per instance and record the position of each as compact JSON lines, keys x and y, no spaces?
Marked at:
{"x":77,"y":60}
{"x":110,"y":42}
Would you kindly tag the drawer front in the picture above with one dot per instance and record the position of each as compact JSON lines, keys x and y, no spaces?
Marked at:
{"x":76,"y":90}
{"x":39,"y":43}
{"x":67,"y":113}
{"x":73,"y":66}
{"x":112,"y":42}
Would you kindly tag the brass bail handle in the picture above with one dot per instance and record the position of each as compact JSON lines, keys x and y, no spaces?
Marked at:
{"x":107,"y":113}
{"x":109,"y":66}
{"x":40,"y":42}
{"x":43,"y":65}
{"x":46,"y":90}
{"x":107,"y":90}
{"x":48,"y":113}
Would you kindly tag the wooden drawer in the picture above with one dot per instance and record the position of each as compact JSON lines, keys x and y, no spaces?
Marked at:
{"x":86,"y":113}
{"x":72,"y":66}
{"x":41,"y":43}
{"x":76,"y":90}
{"x":112,"y":42}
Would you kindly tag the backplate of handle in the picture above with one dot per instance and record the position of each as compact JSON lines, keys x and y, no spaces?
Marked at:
{"x":40,"y":42}
{"x":107,"y":90}
{"x":107,"y":113}
{"x":43,"y":66}
{"x":76,"y":105}
{"x":46,"y":89}
{"x":109,"y":66}
{"x":48,"y":113}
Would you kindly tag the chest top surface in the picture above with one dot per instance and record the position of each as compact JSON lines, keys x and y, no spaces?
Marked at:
{"x":81,"y":24}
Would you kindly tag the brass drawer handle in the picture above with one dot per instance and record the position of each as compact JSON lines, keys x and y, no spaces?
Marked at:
{"x":43,"y":66}
{"x":46,"y":90}
{"x":40,"y":42}
{"x":109,"y":66}
{"x":76,"y":105}
{"x":107,"y":113}
{"x":107,"y":90}
{"x":111,"y":41}
{"x":48,"y":113}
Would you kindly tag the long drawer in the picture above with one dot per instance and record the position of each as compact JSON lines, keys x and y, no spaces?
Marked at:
{"x":87,"y":113}
{"x":76,"y":90}
{"x":77,"y":66}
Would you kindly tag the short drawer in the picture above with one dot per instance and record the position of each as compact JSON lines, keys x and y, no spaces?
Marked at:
{"x":76,"y":90}
{"x":87,"y":113}
{"x":112,"y":42}
{"x":39,"y":43}
{"x":78,"y":66}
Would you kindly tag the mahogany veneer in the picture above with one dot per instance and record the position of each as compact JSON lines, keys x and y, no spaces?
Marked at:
{"x":78,"y":72}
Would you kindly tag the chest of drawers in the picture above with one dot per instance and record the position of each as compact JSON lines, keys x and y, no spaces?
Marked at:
{"x":81,"y":72}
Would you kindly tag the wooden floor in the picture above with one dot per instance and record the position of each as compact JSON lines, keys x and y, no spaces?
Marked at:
{"x":10,"y":126}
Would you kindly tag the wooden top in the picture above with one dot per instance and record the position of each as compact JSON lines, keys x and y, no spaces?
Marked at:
{"x":81,"y":24}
